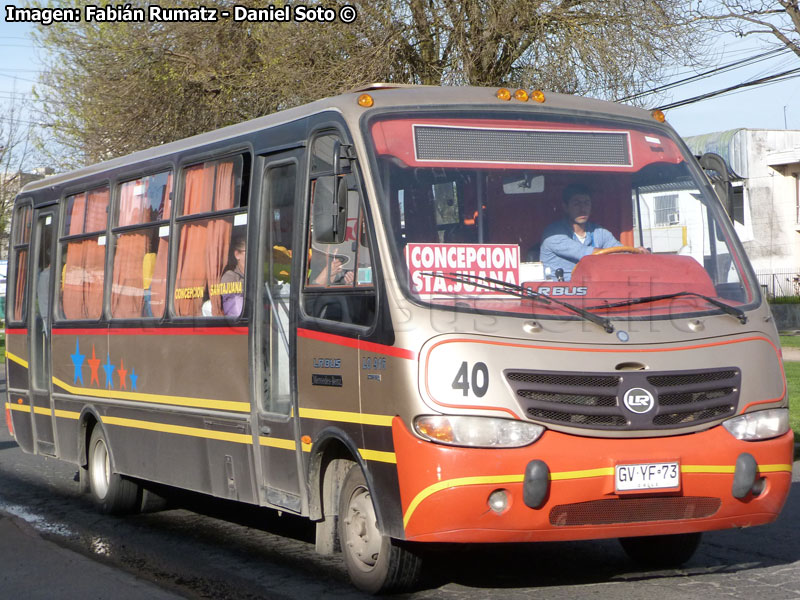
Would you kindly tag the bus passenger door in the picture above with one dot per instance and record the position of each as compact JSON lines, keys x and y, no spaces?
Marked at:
{"x":275,"y":411}
{"x":39,"y":325}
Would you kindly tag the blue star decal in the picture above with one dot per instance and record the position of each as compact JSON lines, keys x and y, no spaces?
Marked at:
{"x":77,"y":363}
{"x":133,"y":377}
{"x":109,"y":369}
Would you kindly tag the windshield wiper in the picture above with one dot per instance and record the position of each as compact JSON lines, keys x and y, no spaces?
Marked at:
{"x":524,"y":293}
{"x":726,"y":308}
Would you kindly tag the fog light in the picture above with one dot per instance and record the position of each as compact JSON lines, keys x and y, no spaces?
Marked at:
{"x":498,"y":501}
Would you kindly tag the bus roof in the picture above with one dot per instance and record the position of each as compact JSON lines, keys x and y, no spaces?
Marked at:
{"x":385,"y":95}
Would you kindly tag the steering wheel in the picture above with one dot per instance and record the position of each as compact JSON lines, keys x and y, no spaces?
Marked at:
{"x":616,"y":250}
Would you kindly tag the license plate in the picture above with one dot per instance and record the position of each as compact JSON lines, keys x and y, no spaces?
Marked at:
{"x":647,"y":476}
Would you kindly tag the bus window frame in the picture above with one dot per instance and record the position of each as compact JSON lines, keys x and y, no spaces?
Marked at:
{"x":115,"y":230}
{"x":57,"y":300}
{"x":178,"y":220}
{"x":321,"y":130}
{"x":11,"y":277}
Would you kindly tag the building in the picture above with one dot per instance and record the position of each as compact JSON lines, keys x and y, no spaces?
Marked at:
{"x":766,"y":208}
{"x":10,"y":185}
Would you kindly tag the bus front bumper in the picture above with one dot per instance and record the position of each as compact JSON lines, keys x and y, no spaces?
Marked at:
{"x":445,"y":491}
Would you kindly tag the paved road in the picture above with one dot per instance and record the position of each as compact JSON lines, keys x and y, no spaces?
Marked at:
{"x":53,"y":544}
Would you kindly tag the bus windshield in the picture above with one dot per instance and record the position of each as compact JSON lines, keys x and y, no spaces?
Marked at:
{"x":494,"y":213}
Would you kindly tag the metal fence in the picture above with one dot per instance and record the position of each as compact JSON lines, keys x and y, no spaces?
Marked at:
{"x":779,"y":284}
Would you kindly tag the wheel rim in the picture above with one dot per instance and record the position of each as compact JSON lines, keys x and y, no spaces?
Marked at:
{"x":100,"y":469}
{"x":363,"y":539}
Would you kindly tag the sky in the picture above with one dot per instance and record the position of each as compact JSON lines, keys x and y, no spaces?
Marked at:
{"x":774,"y":106}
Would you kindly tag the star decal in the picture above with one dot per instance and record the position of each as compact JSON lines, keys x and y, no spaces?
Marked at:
{"x":109,"y":369}
{"x":77,"y":363}
{"x":94,"y":364}
{"x":122,"y":373}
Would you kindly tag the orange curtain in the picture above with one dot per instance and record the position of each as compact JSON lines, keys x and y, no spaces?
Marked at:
{"x":158,"y":286}
{"x":191,"y":276}
{"x":219,"y":233}
{"x":95,"y":255}
{"x":21,"y":276}
{"x":127,"y":291}
{"x":72,"y":285}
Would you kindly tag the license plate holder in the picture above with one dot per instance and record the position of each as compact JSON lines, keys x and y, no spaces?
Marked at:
{"x":646,"y":477}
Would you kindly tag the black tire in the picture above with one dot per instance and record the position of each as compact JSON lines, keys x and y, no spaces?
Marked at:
{"x":376,"y":563}
{"x":661,"y":551}
{"x":111,"y":492}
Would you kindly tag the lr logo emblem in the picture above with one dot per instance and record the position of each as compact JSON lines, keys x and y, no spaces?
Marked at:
{"x":638,"y":400}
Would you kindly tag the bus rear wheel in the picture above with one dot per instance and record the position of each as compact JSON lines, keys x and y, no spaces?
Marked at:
{"x":111,"y":492}
{"x":661,"y":551}
{"x":375,"y":562}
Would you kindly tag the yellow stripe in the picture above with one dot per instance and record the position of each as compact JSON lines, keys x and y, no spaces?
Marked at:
{"x":68,"y":414}
{"x":585,"y":474}
{"x":719,"y":469}
{"x":461,"y":481}
{"x":346,"y":417}
{"x":20,"y":407}
{"x":378,"y":456}
{"x":567,"y":475}
{"x":277,"y":443}
{"x":16,"y":359}
{"x":41,"y":410}
{"x":239,"y":438}
{"x":231,"y":405}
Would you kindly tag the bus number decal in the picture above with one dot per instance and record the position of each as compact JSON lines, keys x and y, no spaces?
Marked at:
{"x":478,"y":379}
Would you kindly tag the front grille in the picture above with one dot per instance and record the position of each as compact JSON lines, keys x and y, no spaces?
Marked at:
{"x":594,"y":400}
{"x":611,"y":511}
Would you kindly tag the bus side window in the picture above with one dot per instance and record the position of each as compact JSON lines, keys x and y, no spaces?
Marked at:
{"x":339,"y":281}
{"x":141,"y":249}
{"x":211,"y":237}
{"x":21,"y":238}
{"x":83,"y":255}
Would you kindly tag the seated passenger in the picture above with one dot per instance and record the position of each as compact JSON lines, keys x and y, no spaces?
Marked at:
{"x":568,"y":240}
{"x":232,"y":281}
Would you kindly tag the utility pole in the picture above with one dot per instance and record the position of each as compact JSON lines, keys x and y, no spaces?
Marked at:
{"x":784,"y":117}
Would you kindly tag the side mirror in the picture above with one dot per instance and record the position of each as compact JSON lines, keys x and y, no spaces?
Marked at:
{"x":720,"y":175}
{"x":330,"y":209}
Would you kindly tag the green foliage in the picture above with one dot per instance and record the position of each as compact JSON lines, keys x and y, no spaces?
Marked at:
{"x":785,"y":300}
{"x":793,"y":381}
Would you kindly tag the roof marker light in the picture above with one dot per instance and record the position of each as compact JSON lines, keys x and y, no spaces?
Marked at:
{"x":503,"y":94}
{"x":659,"y":116}
{"x":365,"y":100}
{"x":538,"y":96}
{"x":521,"y":95}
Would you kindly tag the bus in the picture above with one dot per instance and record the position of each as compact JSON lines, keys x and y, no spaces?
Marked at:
{"x":350,"y":311}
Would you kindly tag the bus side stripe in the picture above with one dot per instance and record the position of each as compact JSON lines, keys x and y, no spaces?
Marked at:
{"x":340,"y":340}
{"x":225,"y":436}
{"x":231,"y":405}
{"x":345,"y":417}
{"x":566,"y":475}
{"x":16,"y":359}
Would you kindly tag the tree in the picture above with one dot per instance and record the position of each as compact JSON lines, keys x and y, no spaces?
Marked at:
{"x":15,"y":150}
{"x":113,"y":88}
{"x":775,"y":20}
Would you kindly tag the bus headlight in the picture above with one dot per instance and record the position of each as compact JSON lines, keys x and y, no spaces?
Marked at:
{"x":760,"y":425}
{"x":482,"y":432}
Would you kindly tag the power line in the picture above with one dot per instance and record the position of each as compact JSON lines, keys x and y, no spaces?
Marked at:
{"x":790,"y":74}
{"x":724,"y":68}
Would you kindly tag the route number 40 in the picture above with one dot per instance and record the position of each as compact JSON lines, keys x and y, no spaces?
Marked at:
{"x":478,"y":379}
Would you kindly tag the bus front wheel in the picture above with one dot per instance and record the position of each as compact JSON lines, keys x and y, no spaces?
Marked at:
{"x":375,"y":562}
{"x":111,"y":492}
{"x":661,"y":551}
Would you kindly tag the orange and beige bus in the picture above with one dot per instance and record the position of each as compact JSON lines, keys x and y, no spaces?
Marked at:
{"x":361,"y":311}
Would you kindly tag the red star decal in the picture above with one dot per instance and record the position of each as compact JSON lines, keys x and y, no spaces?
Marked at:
{"x":122,"y":374}
{"x":94,"y":364}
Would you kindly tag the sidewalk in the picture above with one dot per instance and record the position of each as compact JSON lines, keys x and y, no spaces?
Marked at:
{"x":36,"y":569}
{"x":791,"y":354}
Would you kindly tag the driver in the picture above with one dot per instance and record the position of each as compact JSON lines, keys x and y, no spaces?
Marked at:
{"x":568,"y":240}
